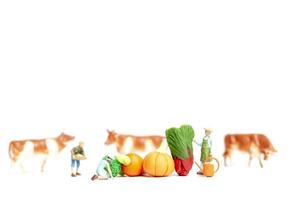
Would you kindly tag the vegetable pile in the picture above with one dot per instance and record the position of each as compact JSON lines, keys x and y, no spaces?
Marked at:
{"x":180,"y":143}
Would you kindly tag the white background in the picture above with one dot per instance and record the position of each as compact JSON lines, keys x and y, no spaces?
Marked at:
{"x":141,"y":67}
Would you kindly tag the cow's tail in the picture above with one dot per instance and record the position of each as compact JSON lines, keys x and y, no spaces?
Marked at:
{"x":11,"y":152}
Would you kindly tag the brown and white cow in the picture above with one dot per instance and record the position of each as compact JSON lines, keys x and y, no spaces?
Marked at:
{"x":131,"y":143}
{"x":21,"y":149}
{"x":253,"y":144}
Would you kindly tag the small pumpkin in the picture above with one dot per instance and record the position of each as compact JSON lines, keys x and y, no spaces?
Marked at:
{"x":135,"y":166}
{"x":158,"y":164}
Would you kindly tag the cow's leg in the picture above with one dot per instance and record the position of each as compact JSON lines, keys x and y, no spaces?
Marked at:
{"x":226,"y":154}
{"x":20,"y":163}
{"x":128,"y":145}
{"x":26,"y":155}
{"x":231,"y":161}
{"x":250,"y":159}
{"x":12,"y":165}
{"x":43,"y":165}
{"x":120,"y":149}
{"x":22,"y":167}
{"x":225,"y":161}
{"x":229,"y":155}
{"x":260,"y":162}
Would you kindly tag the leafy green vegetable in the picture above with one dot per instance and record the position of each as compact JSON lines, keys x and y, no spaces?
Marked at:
{"x":180,"y":141}
{"x":115,"y":167}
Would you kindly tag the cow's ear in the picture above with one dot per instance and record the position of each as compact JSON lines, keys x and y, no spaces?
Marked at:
{"x":110,"y":131}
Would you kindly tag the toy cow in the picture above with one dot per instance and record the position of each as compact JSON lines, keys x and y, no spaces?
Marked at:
{"x":19,"y":150}
{"x":253,"y":144}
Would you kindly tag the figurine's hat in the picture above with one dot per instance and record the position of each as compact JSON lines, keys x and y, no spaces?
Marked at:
{"x":207,"y":130}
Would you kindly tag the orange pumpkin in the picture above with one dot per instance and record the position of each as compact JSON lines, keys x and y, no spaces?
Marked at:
{"x":158,"y":164}
{"x":135,"y":168}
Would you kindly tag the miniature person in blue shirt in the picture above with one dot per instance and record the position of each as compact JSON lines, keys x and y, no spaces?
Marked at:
{"x":103,"y":171}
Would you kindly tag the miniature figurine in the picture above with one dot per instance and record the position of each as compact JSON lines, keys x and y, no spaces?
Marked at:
{"x":253,"y":144}
{"x":77,"y":154}
{"x":36,"y":146}
{"x":110,"y":168}
{"x":103,"y":171}
{"x":138,"y":144}
{"x":205,"y":148}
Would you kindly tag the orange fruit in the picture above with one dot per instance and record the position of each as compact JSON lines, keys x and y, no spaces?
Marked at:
{"x":135,"y":168}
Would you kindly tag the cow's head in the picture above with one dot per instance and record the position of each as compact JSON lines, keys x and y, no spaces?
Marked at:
{"x":111,"y":137}
{"x":268,"y":152}
{"x":65,"y":137}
